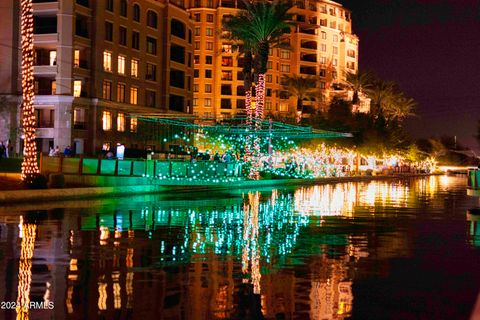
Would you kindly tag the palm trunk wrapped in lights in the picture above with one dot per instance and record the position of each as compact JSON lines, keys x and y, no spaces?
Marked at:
{"x":29,"y":164}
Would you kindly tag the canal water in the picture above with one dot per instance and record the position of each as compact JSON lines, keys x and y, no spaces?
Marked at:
{"x":370,"y":250}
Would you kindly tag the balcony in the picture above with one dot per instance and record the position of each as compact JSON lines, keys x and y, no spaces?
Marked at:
{"x":307,"y":29}
{"x":44,"y":25}
{"x":44,"y":70}
{"x":305,"y":44}
{"x":45,"y":6}
{"x":308,"y":70}
{"x":308,"y":57}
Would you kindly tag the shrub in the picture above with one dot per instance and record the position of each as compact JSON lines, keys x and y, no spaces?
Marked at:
{"x":56,"y":180}
{"x":36,"y":181}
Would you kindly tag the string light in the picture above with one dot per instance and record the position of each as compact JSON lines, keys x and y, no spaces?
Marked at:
{"x":29,"y":164}
{"x":27,"y":232}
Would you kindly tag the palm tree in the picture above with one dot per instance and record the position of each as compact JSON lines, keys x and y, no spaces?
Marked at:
{"x":381,"y":92}
{"x":265,"y":23}
{"x":358,"y":82}
{"x":304,"y":88}
{"x":398,"y":107}
{"x":29,"y":164}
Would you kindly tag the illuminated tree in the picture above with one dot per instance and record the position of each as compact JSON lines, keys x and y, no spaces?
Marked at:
{"x":358,"y":82}
{"x":29,"y":164}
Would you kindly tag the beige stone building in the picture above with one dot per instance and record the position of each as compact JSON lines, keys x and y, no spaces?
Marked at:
{"x":97,"y":63}
{"x":322,"y":45}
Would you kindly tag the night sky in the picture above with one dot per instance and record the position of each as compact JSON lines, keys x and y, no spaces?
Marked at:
{"x":432,"y":49}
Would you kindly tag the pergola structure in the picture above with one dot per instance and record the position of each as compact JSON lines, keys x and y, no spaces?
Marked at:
{"x":238,"y":126}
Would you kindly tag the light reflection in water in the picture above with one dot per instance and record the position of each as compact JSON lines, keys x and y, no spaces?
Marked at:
{"x":211,"y":245}
{"x":27,"y":233}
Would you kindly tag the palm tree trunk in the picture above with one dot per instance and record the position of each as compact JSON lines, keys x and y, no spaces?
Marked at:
{"x":259,"y":103}
{"x":248,"y":107}
{"x":29,"y":164}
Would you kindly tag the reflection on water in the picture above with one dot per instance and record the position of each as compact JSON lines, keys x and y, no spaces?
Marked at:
{"x":276,"y":255}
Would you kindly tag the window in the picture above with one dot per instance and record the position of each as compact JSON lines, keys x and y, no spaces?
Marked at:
{"x":176,"y":103}
{"x":151,"y":73}
{"x":107,"y":90}
{"x":323,"y":47}
{"x":134,"y":68}
{"x":150,"y":97}
{"x":240,"y":104}
{"x":268,"y":105}
{"x":108,"y":31}
{"x":335,"y":62}
{"x":121,"y":92}
{"x":122,"y":36}
{"x":351,"y":53}
{"x":226,"y":48}
{"x":121,"y":122}
{"x":196,"y":17}
{"x":81,"y":26}
{"x":226,"y":104}
{"x":136,"y":12}
{"x":284,"y":54}
{"x":324,"y":35}
{"x":208,"y":102}
{"x":285,"y":68}
{"x":335,"y":38}
{"x":269,"y":65}
{"x":226,"y":89}
{"x":334,"y":74}
{"x":227,"y":61}
{"x":269,"y":78}
{"x":240,"y":91}
{"x":209,"y":32}
{"x":196,"y":31}
{"x":208,"y":88}
{"x":197,"y":45}
{"x":123,"y":8}
{"x":322,"y":72}
{"x":177,"y":53}
{"x":208,"y":74}
{"x":209,"y":17}
{"x":53,"y":86}
{"x":335,"y":50}
{"x":226,"y":75}
{"x":196,"y":59}
{"x":121,"y":65}
{"x":77,"y":88}
{"x":135,"y":40}
{"x":208,"y":59}
{"x":323,"y":60}
{"x":333,"y":24}
{"x":107,"y":61}
{"x":196,"y":73}
{"x":133,"y":125}
{"x":323,"y":85}
{"x":283,"y":107}
{"x":177,"y":29}
{"x":209,"y":3}
{"x":209,"y":45}
{"x":195,"y":87}
{"x":76,"y":58}
{"x":195,"y":102}
{"x":79,"y":118}
{"x":52,"y":58}
{"x":152,"y":45}
{"x":152,"y":19}
{"x":177,"y":78}
{"x":106,"y":121}
{"x":350,"y":65}
{"x":134,"y":95}
{"x":109,"y":5}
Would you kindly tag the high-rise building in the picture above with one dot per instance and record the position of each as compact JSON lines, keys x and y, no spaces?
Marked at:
{"x":96,"y":64}
{"x":322,"y":45}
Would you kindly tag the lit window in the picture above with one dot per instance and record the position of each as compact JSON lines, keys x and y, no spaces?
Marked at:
{"x":195,"y":87}
{"x":195,"y":102}
{"x":107,"y":90}
{"x":76,"y":58}
{"x":107,"y":121}
{"x":133,"y":125}
{"x":269,"y":78}
{"x":77,"y":88}
{"x":209,"y":45}
{"x":197,"y":31}
{"x":121,"y":122}
{"x":54,"y":87}
{"x":107,"y":61}
{"x":323,"y":60}
{"x":208,"y":102}
{"x":53,"y":57}
{"x":121,"y":64}
{"x":134,"y":68}
{"x":209,"y":32}
{"x":285,"y":68}
{"x":208,"y":88}
{"x":134,"y":95}
{"x":284,"y":54}
{"x":121,"y":92}
{"x":283,"y":106}
{"x":197,"y":45}
{"x":226,"y":48}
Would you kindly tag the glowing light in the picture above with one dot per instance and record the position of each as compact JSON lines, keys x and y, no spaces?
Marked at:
{"x":25,"y":269}
{"x":29,"y":164}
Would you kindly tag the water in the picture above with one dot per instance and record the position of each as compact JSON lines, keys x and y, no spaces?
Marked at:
{"x":377,"y":250}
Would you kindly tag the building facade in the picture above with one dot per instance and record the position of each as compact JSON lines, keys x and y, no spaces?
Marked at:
{"x":322,"y":45}
{"x":97,"y":64}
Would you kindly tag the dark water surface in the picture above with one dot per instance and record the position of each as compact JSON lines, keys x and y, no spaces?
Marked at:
{"x":376,"y":250}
